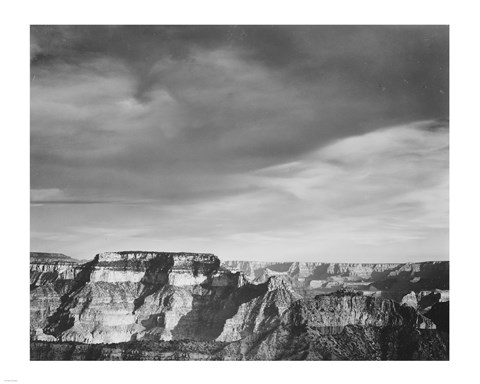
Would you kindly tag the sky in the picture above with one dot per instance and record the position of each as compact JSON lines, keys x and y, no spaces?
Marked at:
{"x":268,"y":143}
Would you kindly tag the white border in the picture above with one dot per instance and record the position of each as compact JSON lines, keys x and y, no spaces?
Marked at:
{"x":17,"y":16}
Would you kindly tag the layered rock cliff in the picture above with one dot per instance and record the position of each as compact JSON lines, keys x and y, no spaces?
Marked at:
{"x":154,"y":305}
{"x":123,"y":296}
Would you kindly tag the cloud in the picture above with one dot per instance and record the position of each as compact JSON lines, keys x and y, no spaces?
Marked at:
{"x":305,"y":136}
{"x":394,"y":177}
{"x":375,"y":196}
{"x":213,"y":114}
{"x":87,"y":124}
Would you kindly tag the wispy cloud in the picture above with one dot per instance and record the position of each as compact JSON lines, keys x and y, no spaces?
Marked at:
{"x":370,"y":196}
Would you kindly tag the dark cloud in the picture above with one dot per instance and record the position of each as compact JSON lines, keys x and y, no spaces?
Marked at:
{"x":412,"y":59}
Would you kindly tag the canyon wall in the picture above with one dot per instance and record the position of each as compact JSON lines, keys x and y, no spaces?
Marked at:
{"x":119,"y":298}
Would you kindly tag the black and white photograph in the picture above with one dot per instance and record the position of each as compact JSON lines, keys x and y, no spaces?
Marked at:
{"x":239,"y":192}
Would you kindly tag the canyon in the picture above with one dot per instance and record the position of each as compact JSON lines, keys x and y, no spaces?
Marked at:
{"x":135,"y":305}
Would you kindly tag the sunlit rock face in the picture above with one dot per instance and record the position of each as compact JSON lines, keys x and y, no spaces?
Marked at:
{"x":111,"y":275}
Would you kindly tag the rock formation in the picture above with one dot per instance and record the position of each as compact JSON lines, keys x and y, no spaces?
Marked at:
{"x":169,"y":300}
{"x":395,"y":280}
{"x":125,"y":295}
{"x":345,"y":326}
